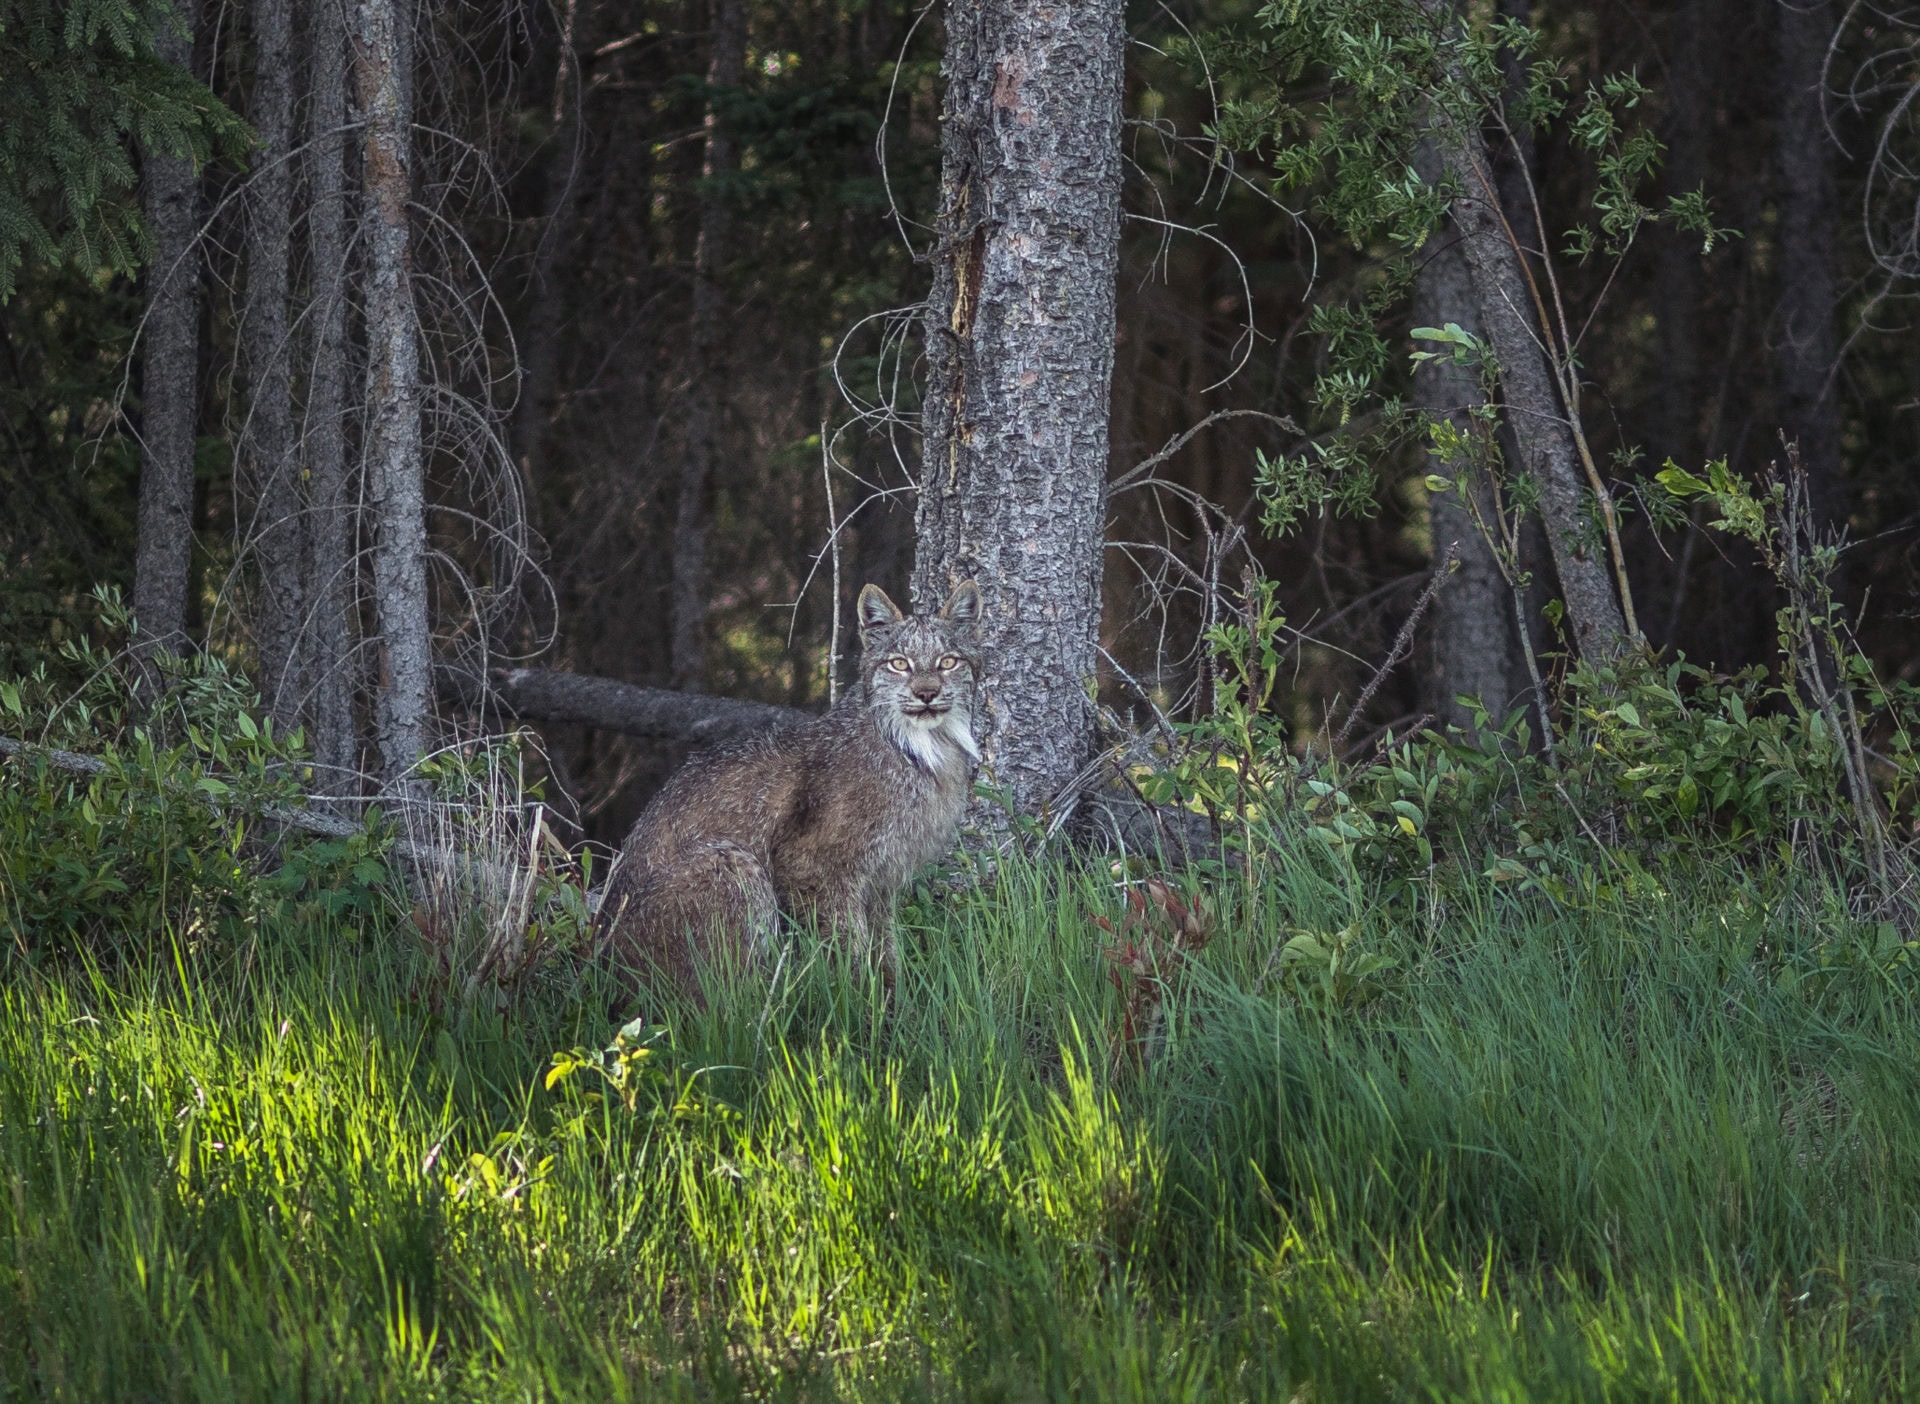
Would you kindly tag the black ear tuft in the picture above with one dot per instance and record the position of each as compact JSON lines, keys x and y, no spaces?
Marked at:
{"x":963,"y":605}
{"x":876,"y":609}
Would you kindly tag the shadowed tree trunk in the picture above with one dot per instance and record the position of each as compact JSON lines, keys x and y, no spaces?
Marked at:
{"x":1019,"y":347}
{"x":1530,"y":386}
{"x":1805,"y":347}
{"x":331,"y":560}
{"x":531,"y":414}
{"x":1476,"y":652}
{"x":1678,"y":274}
{"x":383,"y":73}
{"x":169,"y":395}
{"x":269,"y":466}
{"x":706,"y":373}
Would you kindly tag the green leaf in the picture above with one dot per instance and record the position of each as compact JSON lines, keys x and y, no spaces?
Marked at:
{"x":1679,"y":481}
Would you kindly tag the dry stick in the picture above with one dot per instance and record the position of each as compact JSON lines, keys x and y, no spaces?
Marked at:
{"x":1145,"y":467}
{"x":1402,"y":643}
{"x":833,"y":541}
{"x":1533,"y":674}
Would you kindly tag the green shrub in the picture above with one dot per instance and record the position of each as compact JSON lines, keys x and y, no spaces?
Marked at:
{"x":161,"y":836}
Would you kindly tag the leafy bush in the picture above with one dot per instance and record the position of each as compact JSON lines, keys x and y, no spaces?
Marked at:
{"x":1653,"y":768}
{"x":123,"y":825}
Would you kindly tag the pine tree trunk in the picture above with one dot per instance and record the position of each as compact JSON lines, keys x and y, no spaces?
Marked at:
{"x":1678,"y":275}
{"x":331,"y":562}
{"x":169,"y":394}
{"x":1805,"y":345}
{"x":1020,"y":352}
{"x":270,"y":467}
{"x":706,"y":372}
{"x":531,"y":414}
{"x":1537,"y":411}
{"x":383,"y":72}
{"x":1476,"y":652}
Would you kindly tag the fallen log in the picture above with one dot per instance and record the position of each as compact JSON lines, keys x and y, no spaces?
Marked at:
{"x":581,"y":699}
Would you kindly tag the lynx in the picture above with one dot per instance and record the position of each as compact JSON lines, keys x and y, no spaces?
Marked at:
{"x":820,"y":823}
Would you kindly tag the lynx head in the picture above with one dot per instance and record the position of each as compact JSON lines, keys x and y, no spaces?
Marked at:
{"x":918,"y":674}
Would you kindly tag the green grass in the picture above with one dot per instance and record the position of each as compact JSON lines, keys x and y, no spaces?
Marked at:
{"x":1665,"y":1150}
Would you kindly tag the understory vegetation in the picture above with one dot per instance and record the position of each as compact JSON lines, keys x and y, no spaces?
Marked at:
{"x":1464,"y":1073}
{"x":1658,"y":1148}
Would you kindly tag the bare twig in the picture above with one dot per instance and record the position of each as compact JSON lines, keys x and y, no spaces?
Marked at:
{"x":1402,"y":644}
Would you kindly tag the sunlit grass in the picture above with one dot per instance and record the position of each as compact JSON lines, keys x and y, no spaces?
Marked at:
{"x":1665,"y":1151}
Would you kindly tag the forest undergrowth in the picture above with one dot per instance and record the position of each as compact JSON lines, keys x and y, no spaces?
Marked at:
{"x":1571,"y":1063}
{"x":1518,"y":1140}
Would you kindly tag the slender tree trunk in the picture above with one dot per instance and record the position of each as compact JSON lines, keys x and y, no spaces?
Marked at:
{"x":169,"y":394}
{"x":383,"y":72}
{"x":1806,"y":347}
{"x":1476,"y":653}
{"x":530,"y":415}
{"x":271,"y":472}
{"x":706,"y":377}
{"x":1542,"y":420}
{"x":1678,"y":275}
{"x":332,"y":562}
{"x":1020,"y":362}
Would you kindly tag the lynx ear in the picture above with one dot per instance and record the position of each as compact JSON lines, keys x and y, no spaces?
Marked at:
{"x":876,"y":609}
{"x":963,"y":605}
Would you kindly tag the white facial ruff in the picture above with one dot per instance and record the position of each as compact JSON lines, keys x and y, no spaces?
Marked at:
{"x":930,"y":744}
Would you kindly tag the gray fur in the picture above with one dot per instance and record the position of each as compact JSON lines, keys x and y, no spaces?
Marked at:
{"x":823,"y":822}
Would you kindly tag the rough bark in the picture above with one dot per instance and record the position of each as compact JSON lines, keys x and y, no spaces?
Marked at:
{"x":1020,"y":351}
{"x":269,"y":466}
{"x":706,"y":370}
{"x":331,"y":560}
{"x":1805,"y":345}
{"x":1475,"y":651}
{"x":169,"y":395}
{"x":1543,"y":428}
{"x":382,"y":70}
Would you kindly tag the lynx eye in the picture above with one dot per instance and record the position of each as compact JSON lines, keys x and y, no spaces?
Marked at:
{"x":900,"y":665}
{"x":949,"y":663}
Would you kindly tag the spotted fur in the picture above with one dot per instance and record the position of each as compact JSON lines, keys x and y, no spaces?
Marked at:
{"x":819,"y":823}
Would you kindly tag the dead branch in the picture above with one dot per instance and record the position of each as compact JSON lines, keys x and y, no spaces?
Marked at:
{"x":652,"y":713}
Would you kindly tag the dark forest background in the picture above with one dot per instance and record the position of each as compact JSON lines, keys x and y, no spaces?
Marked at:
{"x":661,"y":262}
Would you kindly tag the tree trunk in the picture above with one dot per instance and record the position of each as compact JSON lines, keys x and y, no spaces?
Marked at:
{"x":169,"y":394}
{"x":1805,"y":346}
{"x":1679,"y":278}
{"x":383,"y":71}
{"x":270,"y":469}
{"x":706,"y":372}
{"x":331,"y":562}
{"x":1542,"y":420}
{"x":1475,"y":651}
{"x":1020,"y":352}
{"x":531,"y":414}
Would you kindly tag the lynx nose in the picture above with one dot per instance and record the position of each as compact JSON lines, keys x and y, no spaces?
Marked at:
{"x":926,"y":688}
